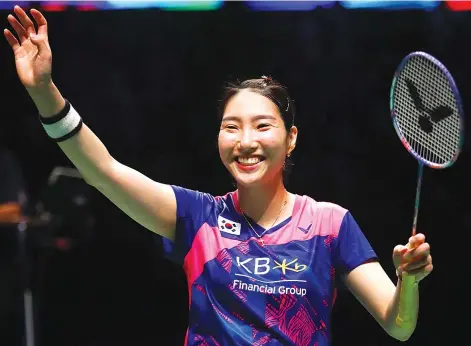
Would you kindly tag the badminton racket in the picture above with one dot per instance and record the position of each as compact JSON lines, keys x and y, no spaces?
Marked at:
{"x":427,"y":114}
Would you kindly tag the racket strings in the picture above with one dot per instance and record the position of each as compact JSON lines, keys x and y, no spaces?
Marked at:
{"x":440,"y":140}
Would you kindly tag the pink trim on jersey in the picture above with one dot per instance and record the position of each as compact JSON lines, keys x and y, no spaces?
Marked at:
{"x":315,"y":218}
{"x":206,"y":246}
{"x":298,"y":202}
{"x":235,"y":201}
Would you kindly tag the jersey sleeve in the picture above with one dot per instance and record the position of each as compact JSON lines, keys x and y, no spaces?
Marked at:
{"x":193,"y":210}
{"x":351,"y":248}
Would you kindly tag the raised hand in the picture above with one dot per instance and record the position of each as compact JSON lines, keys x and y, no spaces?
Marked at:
{"x":33,"y":56}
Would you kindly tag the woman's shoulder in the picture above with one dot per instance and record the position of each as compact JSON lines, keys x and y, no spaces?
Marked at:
{"x":321,"y":206}
{"x":318,"y":217}
{"x":184,"y":193}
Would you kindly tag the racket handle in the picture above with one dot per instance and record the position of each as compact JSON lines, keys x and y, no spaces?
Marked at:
{"x":404,"y":314}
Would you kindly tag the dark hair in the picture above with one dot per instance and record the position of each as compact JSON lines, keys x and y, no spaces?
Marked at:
{"x":273,"y":90}
{"x":265,"y":86}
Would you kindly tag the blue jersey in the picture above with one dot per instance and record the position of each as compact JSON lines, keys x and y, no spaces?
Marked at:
{"x":279,"y":291}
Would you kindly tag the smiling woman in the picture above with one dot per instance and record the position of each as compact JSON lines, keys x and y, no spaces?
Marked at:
{"x":262,"y":264}
{"x":256,"y":137}
{"x":279,"y":113}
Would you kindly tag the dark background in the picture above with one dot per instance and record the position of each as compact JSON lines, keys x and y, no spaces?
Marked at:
{"x":147,"y":82}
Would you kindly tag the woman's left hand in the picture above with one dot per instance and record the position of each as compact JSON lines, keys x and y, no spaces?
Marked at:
{"x":414,"y":259}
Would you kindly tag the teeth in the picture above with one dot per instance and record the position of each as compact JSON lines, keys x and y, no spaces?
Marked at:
{"x":248,"y":161}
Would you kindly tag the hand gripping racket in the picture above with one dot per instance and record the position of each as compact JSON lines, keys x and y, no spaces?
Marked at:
{"x":428,"y":117}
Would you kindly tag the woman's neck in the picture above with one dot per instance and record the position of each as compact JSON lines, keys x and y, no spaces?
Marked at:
{"x":263,"y":203}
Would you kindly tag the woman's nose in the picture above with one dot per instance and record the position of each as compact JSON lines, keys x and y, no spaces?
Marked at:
{"x":247,"y":141}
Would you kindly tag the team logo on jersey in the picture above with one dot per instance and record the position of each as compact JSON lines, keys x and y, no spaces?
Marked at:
{"x":255,"y":269}
{"x":228,"y":226}
{"x":263,"y":265}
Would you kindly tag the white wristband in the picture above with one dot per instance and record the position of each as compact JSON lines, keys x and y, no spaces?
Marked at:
{"x":63,"y":125}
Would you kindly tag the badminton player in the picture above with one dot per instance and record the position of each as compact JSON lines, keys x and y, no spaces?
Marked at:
{"x":262,"y":263}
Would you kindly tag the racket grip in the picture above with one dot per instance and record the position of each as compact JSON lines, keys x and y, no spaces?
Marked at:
{"x":405,"y":300}
{"x":404,"y":314}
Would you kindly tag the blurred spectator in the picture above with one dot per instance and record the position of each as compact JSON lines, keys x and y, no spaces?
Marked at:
{"x":12,"y":195}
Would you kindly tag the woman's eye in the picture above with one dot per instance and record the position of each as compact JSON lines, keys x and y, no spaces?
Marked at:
{"x":263,"y":126}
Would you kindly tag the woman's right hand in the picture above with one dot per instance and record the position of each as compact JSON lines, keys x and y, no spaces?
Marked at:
{"x":33,"y":55}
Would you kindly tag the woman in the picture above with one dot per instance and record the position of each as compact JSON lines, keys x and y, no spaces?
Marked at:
{"x":261,"y":262}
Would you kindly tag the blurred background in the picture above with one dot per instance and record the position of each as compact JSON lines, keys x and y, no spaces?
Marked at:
{"x":146,"y":77}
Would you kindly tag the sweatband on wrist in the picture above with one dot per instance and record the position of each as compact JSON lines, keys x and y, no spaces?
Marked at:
{"x":64,"y":125}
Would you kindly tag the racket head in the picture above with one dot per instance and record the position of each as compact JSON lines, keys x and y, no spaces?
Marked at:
{"x":436,"y":144}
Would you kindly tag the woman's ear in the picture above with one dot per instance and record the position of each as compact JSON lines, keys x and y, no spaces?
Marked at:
{"x":292,"y":138}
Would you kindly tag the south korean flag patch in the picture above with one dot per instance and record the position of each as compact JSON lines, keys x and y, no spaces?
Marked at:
{"x":228,"y":226}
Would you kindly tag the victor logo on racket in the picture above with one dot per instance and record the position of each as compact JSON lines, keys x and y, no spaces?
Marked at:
{"x":427,"y":117}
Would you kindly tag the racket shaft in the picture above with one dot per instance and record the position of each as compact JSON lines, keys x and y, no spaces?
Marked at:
{"x":417,"y":198}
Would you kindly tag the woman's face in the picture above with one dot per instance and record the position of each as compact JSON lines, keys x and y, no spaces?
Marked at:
{"x":253,"y":141}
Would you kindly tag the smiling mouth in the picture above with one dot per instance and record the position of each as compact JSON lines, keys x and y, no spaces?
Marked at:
{"x":249,"y":161}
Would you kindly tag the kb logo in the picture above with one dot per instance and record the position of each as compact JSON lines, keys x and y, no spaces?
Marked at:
{"x":261,"y":266}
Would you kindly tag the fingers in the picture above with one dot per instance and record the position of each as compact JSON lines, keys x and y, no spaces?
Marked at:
{"x":416,"y":240}
{"x":419,"y":264}
{"x":414,"y":259}
{"x":400,"y":250}
{"x":420,"y":272}
{"x":27,"y":23}
{"x":24,"y":26}
{"x":421,"y":251}
{"x":41,"y":42}
{"x":11,"y":39}
{"x":40,"y":21}
{"x":20,"y":31}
